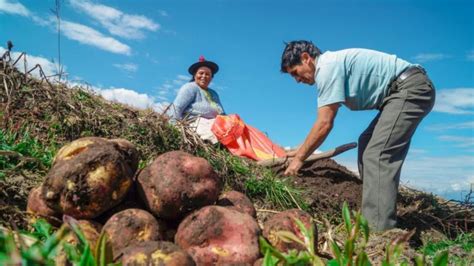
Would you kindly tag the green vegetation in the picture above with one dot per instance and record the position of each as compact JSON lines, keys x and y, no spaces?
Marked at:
{"x":464,"y":242}
{"x":352,"y":252}
{"x":20,"y":150}
{"x":43,"y":247}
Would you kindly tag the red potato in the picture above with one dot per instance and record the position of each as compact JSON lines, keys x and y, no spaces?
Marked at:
{"x":85,"y":182}
{"x":130,"y":227}
{"x":238,"y":201}
{"x":176,"y":183}
{"x":37,"y":206}
{"x":156,"y":253}
{"x":285,"y":221}
{"x":216,"y":235}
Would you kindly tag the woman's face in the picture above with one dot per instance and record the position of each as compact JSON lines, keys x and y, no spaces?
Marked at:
{"x":203,"y":77}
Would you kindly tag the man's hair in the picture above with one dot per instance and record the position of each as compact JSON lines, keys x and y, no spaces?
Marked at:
{"x":292,"y":54}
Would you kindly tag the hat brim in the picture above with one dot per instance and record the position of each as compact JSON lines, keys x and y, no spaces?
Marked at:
{"x":211,"y":65}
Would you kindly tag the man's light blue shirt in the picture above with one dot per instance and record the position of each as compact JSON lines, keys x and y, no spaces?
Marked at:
{"x":357,"y":78}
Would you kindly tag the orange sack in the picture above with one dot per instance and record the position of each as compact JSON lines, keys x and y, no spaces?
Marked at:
{"x":244,"y":140}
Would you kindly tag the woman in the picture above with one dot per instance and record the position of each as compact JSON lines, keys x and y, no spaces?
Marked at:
{"x":198,"y":102}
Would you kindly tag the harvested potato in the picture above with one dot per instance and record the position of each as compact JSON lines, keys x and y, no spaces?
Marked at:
{"x":176,"y":183}
{"x":85,"y":182}
{"x":217,"y":235}
{"x":156,"y":253}
{"x":91,"y":231}
{"x":131,"y":201}
{"x":131,"y":153}
{"x":76,"y":147}
{"x":238,"y":201}
{"x":37,"y":206}
{"x":132,"y":226}
{"x":285,"y":221}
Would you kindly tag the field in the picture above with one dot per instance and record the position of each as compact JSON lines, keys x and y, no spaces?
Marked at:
{"x":39,"y":117}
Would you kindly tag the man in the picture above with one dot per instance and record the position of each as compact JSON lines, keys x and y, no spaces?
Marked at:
{"x":364,"y":79}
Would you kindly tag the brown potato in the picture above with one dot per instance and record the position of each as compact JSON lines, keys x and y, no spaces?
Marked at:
{"x":87,"y":183}
{"x":130,"y":227}
{"x":76,"y":147}
{"x":238,"y":201}
{"x":176,"y":183}
{"x":37,"y":206}
{"x":285,"y":221}
{"x":131,"y":153}
{"x":91,"y":231}
{"x":156,"y":253}
{"x":216,"y":235}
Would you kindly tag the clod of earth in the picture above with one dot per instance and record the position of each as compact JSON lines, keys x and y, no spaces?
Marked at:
{"x":285,"y":221}
{"x":130,"y":227}
{"x":176,"y":183}
{"x":237,"y":201}
{"x":216,"y":235}
{"x":156,"y":253}
{"x":88,"y":177}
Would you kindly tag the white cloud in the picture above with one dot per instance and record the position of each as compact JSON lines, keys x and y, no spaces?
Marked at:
{"x":89,"y":36}
{"x":455,"y":101}
{"x":461,"y":140}
{"x":127,"y":67}
{"x":49,"y":67}
{"x":457,"y":126}
{"x":13,"y":7}
{"x":440,"y":175}
{"x":115,"y":21}
{"x":427,"y":57}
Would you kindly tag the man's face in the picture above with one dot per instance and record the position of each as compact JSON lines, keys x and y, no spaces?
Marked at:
{"x":303,"y":72}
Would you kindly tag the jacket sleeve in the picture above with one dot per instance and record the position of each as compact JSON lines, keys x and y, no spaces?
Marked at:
{"x":186,"y":96}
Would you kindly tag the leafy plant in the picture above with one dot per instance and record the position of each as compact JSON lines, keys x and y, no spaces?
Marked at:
{"x":44,"y":246}
{"x":272,"y":256}
{"x":353,"y":252}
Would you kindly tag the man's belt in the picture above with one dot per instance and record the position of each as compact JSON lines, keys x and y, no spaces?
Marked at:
{"x":410,"y":71}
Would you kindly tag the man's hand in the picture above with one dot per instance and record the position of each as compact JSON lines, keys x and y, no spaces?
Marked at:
{"x":294,"y":167}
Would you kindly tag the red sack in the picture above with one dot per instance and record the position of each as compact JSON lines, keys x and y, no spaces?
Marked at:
{"x":244,"y":140}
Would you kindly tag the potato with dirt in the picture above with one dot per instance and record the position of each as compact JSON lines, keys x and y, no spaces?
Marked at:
{"x":38,"y":208}
{"x":216,"y":235}
{"x":91,"y":231}
{"x":156,"y":253}
{"x":285,"y":221}
{"x":88,"y":177}
{"x":176,"y":183}
{"x":238,"y":201}
{"x":130,"y":227}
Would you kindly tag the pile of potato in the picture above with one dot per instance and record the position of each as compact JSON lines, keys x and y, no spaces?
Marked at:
{"x":172,"y":212}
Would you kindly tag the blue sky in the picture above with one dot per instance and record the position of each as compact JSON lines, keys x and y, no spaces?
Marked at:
{"x":138,"y":52}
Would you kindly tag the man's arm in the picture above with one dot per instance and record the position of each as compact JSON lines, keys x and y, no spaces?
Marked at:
{"x":315,"y":138}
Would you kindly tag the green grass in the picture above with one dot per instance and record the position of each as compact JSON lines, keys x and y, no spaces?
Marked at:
{"x":465,"y":242}
{"x":278,"y":191}
{"x":20,"y":149}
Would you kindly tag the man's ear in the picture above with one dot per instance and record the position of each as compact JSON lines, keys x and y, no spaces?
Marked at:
{"x":305,"y":57}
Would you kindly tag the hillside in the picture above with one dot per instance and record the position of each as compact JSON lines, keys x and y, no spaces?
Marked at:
{"x":39,"y":117}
